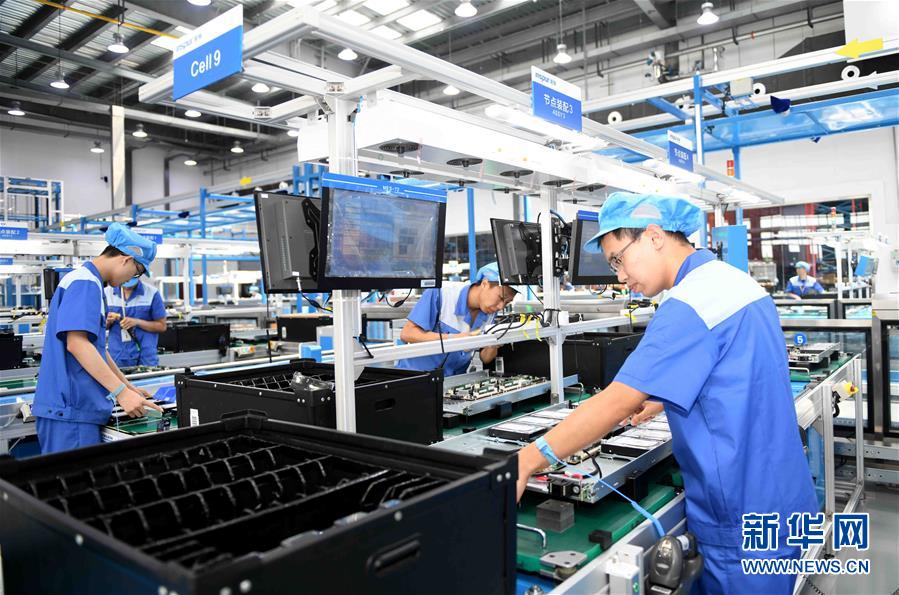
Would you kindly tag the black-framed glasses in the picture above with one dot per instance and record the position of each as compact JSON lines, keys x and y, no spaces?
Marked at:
{"x":140,"y":270}
{"x":615,"y":259}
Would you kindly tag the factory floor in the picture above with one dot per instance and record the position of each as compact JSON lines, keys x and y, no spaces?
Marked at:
{"x":882,"y":504}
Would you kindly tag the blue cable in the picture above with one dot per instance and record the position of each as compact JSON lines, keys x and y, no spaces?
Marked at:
{"x":547,"y":451}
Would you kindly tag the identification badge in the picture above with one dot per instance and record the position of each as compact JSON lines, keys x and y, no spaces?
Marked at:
{"x":126,"y":336}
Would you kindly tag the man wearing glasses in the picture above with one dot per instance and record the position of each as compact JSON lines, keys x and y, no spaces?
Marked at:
{"x":717,"y":364}
{"x":79,"y":383}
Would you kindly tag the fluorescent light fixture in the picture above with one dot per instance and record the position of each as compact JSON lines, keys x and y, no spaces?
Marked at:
{"x":347,"y":54}
{"x":293,"y":133}
{"x":451,"y":90}
{"x":353,"y":17}
{"x":385,"y":7}
{"x":260,"y":88}
{"x":237,"y":148}
{"x":562,"y":56}
{"x":190,"y":162}
{"x":200,"y":2}
{"x":192,"y":113}
{"x":118,"y":44}
{"x":707,"y":17}
{"x":139,"y":132}
{"x":97,"y":148}
{"x":326,"y":5}
{"x":386,"y":32}
{"x":418,"y":20}
{"x":466,"y":9}
{"x":16,"y":109}
{"x":576,"y":141}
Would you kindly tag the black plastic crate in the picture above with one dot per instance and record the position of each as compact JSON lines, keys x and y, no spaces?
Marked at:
{"x":181,"y":337}
{"x":251,"y":505}
{"x":301,"y":328}
{"x":594,"y":357}
{"x":390,"y":402}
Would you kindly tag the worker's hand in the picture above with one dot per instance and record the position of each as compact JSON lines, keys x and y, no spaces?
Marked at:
{"x":141,"y":391}
{"x":529,"y":461}
{"x":471,"y":333}
{"x":795,"y":296}
{"x":134,"y":404}
{"x":129,"y":323}
{"x":649,"y":410}
{"x":111,"y":318}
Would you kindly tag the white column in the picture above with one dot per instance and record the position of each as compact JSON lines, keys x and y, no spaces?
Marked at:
{"x":549,"y":202}
{"x":117,"y":160}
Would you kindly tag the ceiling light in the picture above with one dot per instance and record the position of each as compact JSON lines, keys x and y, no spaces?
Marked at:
{"x":347,"y":54}
{"x":386,"y":32}
{"x":354,"y":18}
{"x":60,"y":82}
{"x":293,"y":133}
{"x":16,"y":109}
{"x":190,"y":162}
{"x":192,"y":113}
{"x":97,"y":148}
{"x":562,"y":57}
{"x":707,"y":17}
{"x":418,"y":20}
{"x":451,"y":90}
{"x":326,"y":5}
{"x":466,"y":9}
{"x":237,"y":148}
{"x":260,"y":88}
{"x":385,"y":7}
{"x":200,"y":2}
{"x":118,"y":44}
{"x":139,"y":132}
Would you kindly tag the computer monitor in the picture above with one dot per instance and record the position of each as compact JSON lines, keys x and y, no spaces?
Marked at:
{"x":378,"y":234}
{"x":288,"y":227}
{"x":517,"y":251}
{"x":587,"y":268}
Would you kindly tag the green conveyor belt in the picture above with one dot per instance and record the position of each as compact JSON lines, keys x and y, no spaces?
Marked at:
{"x":138,"y":427}
{"x":611,"y":514}
{"x":18,"y":383}
{"x":820,"y":372}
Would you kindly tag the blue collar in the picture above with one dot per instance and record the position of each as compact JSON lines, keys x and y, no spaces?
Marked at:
{"x":694,"y":261}
{"x":93,"y":269}
{"x":462,"y":309}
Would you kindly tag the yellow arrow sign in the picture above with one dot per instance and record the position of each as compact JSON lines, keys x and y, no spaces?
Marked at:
{"x":856,"y":48}
{"x":246,"y":181}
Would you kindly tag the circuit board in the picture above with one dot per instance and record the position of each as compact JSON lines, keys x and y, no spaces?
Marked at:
{"x":495,"y":385}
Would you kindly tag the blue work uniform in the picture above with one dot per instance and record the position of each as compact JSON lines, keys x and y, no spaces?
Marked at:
{"x":800,"y":287}
{"x":717,"y":362}
{"x":144,"y":303}
{"x":70,"y":406}
{"x":448,"y":306}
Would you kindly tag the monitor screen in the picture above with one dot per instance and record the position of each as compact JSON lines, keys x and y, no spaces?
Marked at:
{"x":517,"y":251}
{"x":588,"y":268}
{"x":380,"y":235}
{"x":288,"y":228}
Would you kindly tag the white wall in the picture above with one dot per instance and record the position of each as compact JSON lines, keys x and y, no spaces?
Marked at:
{"x":857,"y":164}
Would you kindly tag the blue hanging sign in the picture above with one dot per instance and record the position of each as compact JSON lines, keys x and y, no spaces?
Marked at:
{"x":209,"y":53}
{"x":680,"y":151}
{"x":800,"y":339}
{"x":555,"y":100}
{"x":13,"y":231}
{"x":150,"y":234}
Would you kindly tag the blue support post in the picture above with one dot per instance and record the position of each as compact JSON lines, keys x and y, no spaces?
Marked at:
{"x":739,"y":210}
{"x":697,"y":144}
{"x":472,"y":237}
{"x":668,"y":107}
{"x":295,"y":186}
{"x":203,"y":195}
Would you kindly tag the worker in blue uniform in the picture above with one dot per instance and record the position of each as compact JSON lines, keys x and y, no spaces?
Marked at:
{"x":135,"y":320}
{"x":717,"y":365}
{"x":802,"y":284}
{"x":456,"y":310}
{"x":79,"y":382}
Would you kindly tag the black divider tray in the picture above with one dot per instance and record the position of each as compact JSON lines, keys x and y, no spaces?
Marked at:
{"x":255,"y":505}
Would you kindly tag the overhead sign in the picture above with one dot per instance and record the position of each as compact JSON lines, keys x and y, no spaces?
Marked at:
{"x":209,"y":53}
{"x":555,"y":100}
{"x":151,"y":234}
{"x":13,"y":231}
{"x":800,"y":339}
{"x":680,"y":151}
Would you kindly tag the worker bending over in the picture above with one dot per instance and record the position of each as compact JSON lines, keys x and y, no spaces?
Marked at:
{"x":717,"y":364}
{"x":79,"y":383}
{"x":456,"y":310}
{"x":135,"y":320}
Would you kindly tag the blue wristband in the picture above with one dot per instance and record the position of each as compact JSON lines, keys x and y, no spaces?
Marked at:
{"x":546,"y":450}
{"x":114,"y":394}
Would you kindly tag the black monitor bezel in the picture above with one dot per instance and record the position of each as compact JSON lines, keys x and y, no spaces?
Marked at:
{"x":379,"y":283}
{"x":307,"y":284}
{"x":495,"y":225}
{"x":577,"y":230}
